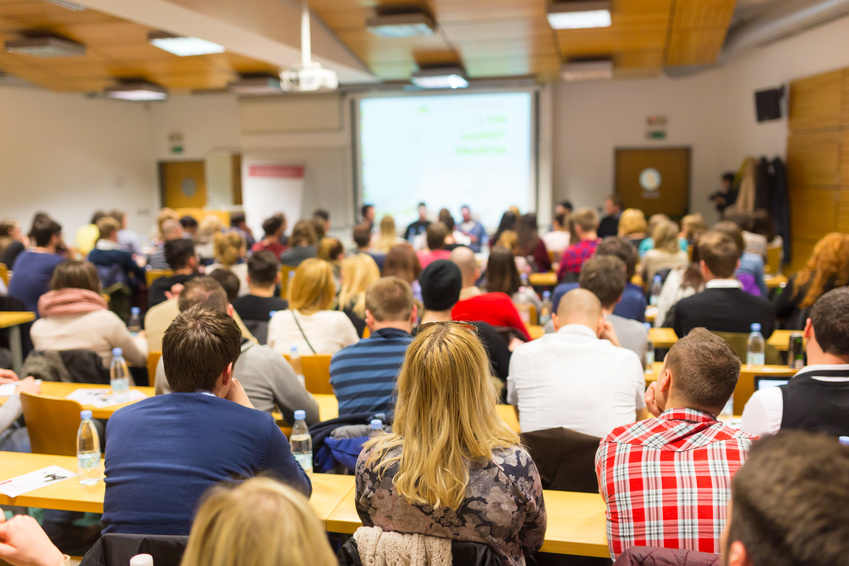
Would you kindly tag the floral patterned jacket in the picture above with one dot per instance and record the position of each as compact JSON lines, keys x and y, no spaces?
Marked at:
{"x":503,"y":507}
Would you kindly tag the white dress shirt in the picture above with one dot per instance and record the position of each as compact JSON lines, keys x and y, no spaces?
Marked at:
{"x":765,"y":408}
{"x":572,"y":379}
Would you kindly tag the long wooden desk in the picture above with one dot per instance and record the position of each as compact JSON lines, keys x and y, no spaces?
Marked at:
{"x":12,"y":320}
{"x":543,"y":279}
{"x":666,"y":337}
{"x":56,"y":389}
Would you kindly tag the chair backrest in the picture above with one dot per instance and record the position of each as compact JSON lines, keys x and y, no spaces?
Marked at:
{"x":565,"y":458}
{"x":739,"y":342}
{"x":152,"y":362}
{"x":4,"y":273}
{"x":117,"y":549}
{"x":316,"y":368}
{"x":528,"y":313}
{"x":462,"y":552}
{"x":120,"y":300}
{"x":152,"y":275}
{"x":285,"y":274}
{"x":52,"y":424}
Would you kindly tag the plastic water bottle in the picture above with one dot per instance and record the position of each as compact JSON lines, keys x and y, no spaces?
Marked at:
{"x":88,"y":451}
{"x":756,"y":348}
{"x":649,"y":348}
{"x":295,"y":362}
{"x":376,"y":427}
{"x":545,"y":310}
{"x":134,"y":325}
{"x":141,"y":560}
{"x":522,"y":304}
{"x":301,"y":442}
{"x":119,"y":377}
{"x":655,"y":289}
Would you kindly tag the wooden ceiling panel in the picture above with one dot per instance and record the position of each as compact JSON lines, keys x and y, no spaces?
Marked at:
{"x":488,"y":30}
{"x":694,"y":14}
{"x":506,"y":48}
{"x":448,"y":11}
{"x":239,"y":64}
{"x":512,"y":66}
{"x":103,"y":34}
{"x":698,"y":31}
{"x":373,"y":49}
{"x":36,"y":14}
{"x":205,"y":80}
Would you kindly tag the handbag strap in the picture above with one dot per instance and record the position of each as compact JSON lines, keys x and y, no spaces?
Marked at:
{"x":307,"y":340}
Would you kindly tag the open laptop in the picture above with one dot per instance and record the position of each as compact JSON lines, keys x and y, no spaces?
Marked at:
{"x":767,"y":381}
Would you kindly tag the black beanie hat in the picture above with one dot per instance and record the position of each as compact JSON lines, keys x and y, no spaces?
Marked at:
{"x":441,"y":283}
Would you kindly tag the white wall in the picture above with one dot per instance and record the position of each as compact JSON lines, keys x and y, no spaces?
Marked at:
{"x":68,"y":155}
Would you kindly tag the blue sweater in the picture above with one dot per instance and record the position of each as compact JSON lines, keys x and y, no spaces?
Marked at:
{"x":632,"y":304}
{"x":31,"y":275}
{"x":363,"y":375}
{"x":163,"y":453}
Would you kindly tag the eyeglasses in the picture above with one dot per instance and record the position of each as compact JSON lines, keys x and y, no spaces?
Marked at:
{"x":466,"y":325}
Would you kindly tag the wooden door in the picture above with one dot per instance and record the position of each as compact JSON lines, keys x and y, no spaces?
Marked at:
{"x":657,"y":181}
{"x":182,"y":184}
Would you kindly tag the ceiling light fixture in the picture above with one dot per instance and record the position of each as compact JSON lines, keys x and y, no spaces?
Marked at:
{"x":256,"y":85}
{"x":46,"y":46}
{"x":440,"y":77}
{"x":588,"y":70}
{"x":309,"y":75}
{"x":183,"y":46}
{"x":579,"y":15}
{"x":73,"y":6}
{"x":137,"y":91}
{"x":413,"y":24}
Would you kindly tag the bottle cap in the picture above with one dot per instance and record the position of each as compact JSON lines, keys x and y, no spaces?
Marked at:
{"x":376,"y":424}
{"x":135,"y":310}
{"x":117,"y":352}
{"x":294,"y":350}
{"x":271,"y":314}
{"x":300,"y":415}
{"x":546,"y":294}
{"x":647,"y":325}
{"x":141,"y":560}
{"x":756,"y":327}
{"x":844,"y":440}
{"x":85,"y":414}
{"x":658,"y":278}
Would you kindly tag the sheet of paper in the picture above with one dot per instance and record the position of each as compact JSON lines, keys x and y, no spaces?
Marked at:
{"x":7,"y":389}
{"x":34,"y":480}
{"x":100,"y":398}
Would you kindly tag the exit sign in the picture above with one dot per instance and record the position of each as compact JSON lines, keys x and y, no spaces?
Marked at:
{"x":656,"y":135}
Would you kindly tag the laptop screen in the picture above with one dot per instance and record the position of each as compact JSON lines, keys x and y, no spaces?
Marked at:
{"x":766,"y":381}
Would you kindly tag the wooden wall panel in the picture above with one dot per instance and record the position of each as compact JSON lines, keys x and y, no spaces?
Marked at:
{"x":816,"y":102}
{"x":844,"y":158}
{"x":843,"y":210}
{"x":814,"y":158}
{"x":846,"y":98}
{"x":800,"y":251}
{"x":813,"y":212}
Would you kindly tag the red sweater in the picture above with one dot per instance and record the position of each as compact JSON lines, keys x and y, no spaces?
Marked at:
{"x":496,"y":309}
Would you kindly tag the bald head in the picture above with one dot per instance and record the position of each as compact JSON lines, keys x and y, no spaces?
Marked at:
{"x":464,"y":258}
{"x":172,"y":229}
{"x":579,"y":306}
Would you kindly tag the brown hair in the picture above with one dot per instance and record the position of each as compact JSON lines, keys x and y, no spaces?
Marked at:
{"x":435,"y":235}
{"x":693,"y":225}
{"x":403,"y":262}
{"x":390,"y":299}
{"x":362,"y":235}
{"x":830,"y":319}
{"x":788,"y":501}
{"x":585,"y":218}
{"x":303,"y":234}
{"x":204,"y":291}
{"x":73,"y":274}
{"x":107,"y":226}
{"x":828,"y":266}
{"x":604,"y":277}
{"x":527,"y":233}
{"x":705,"y":369}
{"x":229,"y":281}
{"x":263,"y":268}
{"x":501,"y":273}
{"x":733,"y":231}
{"x":720,"y":254}
{"x":329,"y":249}
{"x":621,"y":248}
{"x":198,"y":347}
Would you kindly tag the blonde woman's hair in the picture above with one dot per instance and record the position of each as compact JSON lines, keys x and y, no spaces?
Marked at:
{"x":228,"y":248}
{"x":693,"y":226}
{"x":312,"y":288}
{"x":329,"y":249}
{"x":509,"y":239}
{"x":445,"y":416}
{"x":208,"y":227}
{"x":259,"y":522}
{"x":358,"y":272}
{"x":632,"y":221}
{"x":388,"y":235}
{"x":665,"y":236}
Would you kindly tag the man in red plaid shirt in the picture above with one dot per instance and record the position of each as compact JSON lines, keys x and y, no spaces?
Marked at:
{"x":667,"y":480}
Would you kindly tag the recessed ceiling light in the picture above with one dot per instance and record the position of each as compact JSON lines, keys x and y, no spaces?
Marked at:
{"x":440,"y":77}
{"x":137,"y":91}
{"x":579,"y":15}
{"x":401,"y":25}
{"x":588,"y":70}
{"x":46,"y":46}
{"x":183,"y":46}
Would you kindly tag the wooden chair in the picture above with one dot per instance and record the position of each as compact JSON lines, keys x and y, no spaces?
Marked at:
{"x":52,"y":424}
{"x":286,"y":272}
{"x":152,"y":275}
{"x":4,"y":273}
{"x":152,"y":362}
{"x":532,"y":317}
{"x":316,"y":368}
{"x":773,"y":260}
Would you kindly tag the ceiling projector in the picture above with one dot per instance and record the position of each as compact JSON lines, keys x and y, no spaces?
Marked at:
{"x":308,"y":77}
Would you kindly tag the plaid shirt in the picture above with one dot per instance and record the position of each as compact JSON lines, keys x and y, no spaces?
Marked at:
{"x":575,"y":256}
{"x":667,"y":481}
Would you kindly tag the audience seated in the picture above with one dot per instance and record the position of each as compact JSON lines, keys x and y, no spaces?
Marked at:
{"x":86,"y":236}
{"x":530,"y":245}
{"x":680,"y":283}
{"x":273,"y":228}
{"x":435,"y":235}
{"x":363,"y":375}
{"x":182,"y":459}
{"x":692,"y":226}
{"x":604,"y":277}
{"x":632,"y":305}
{"x":367,"y":211}
{"x":666,"y":480}
{"x":387,"y":237}
{"x":358,"y":272}
{"x":75,"y":317}
{"x":171,"y":230}
{"x":666,"y":253}
{"x":450,"y":467}
{"x":557,"y":240}
{"x":303,"y":242}
{"x":268,"y":380}
{"x":723,"y":306}
{"x":583,"y":222}
{"x":750,"y":272}
{"x":826,"y":269}
{"x":209,"y":226}
{"x":128,"y":240}
{"x":180,"y":255}
{"x":114,"y":265}
{"x":754,"y":243}
{"x":189,"y":224}
{"x":13,"y":436}
{"x":501,"y":276}
{"x":496,"y":309}
{"x":261,"y":300}
{"x":419,"y":226}
{"x":238,"y":223}
{"x":12,"y":242}
{"x":309,"y":325}
{"x":33,"y":268}
{"x":362,"y":239}
{"x":507,"y":223}
{"x":817,"y":398}
{"x":577,"y":378}
{"x":473,"y":230}
{"x":402,"y":261}
{"x":609,"y":225}
{"x":633,"y":227}
{"x":229,"y":252}
{"x":441,"y":285}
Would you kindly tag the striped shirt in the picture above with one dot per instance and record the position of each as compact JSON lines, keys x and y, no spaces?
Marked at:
{"x":667,"y":481}
{"x":363,"y":375}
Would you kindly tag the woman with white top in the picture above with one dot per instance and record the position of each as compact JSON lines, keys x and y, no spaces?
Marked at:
{"x":230,"y":251}
{"x":309,"y":324}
